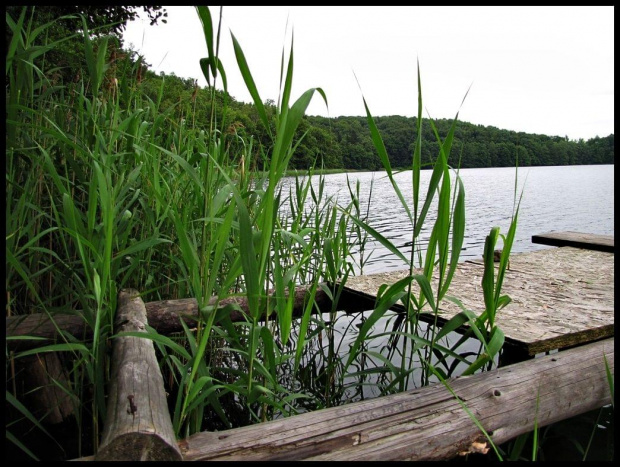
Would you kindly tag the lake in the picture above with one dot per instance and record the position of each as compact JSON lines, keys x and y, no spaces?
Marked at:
{"x":557,"y":198}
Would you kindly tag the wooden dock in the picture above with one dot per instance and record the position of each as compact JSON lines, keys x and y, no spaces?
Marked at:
{"x":576,"y":239}
{"x":560,"y":297}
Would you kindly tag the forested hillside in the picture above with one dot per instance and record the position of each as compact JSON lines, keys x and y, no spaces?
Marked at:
{"x":345,"y":142}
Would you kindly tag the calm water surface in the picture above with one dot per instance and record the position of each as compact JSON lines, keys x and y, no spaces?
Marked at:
{"x":558,"y":198}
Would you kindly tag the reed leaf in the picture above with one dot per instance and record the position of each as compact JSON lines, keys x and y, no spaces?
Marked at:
{"x":458,"y":235}
{"x":249,"y":82}
{"x":488,"y":277}
{"x":385,"y":160}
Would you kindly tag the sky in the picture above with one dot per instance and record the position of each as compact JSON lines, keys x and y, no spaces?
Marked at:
{"x":532,"y":69}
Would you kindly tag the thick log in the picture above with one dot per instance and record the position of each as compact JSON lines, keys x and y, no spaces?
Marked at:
{"x":137,"y":425}
{"x":427,"y":423}
{"x":164,"y":316}
{"x":40,"y":325}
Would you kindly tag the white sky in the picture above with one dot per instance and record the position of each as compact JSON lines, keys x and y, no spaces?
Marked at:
{"x":543,"y":70}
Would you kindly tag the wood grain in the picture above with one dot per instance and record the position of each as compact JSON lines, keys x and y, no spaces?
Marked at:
{"x":137,"y":425}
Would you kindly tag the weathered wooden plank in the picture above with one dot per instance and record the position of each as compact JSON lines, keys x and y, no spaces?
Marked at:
{"x":560,"y":296}
{"x":577,"y":240}
{"x":164,"y":316}
{"x":427,"y":423}
{"x":137,"y":425}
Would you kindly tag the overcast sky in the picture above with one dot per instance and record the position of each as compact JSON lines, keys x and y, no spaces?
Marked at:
{"x":543,"y":70}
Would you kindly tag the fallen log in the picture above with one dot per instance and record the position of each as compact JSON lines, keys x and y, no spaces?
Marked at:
{"x":137,"y":425}
{"x":429,"y":423}
{"x":164,"y":316}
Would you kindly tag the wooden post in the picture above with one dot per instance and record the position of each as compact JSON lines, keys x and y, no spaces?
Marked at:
{"x":137,"y":425}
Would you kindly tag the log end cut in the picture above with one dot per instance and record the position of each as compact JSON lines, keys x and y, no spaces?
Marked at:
{"x":138,"y":446}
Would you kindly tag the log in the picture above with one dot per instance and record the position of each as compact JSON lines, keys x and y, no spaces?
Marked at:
{"x":427,"y":423}
{"x":164,"y":316}
{"x":137,"y":425}
{"x":40,"y":325}
{"x":43,"y":374}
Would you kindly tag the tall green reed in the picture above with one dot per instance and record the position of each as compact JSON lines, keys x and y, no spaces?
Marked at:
{"x":432,"y":271}
{"x":246,"y":211}
{"x":72,"y":203}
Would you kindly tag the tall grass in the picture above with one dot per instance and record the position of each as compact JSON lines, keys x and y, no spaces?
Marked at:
{"x":431,"y":268}
{"x":101,"y":195}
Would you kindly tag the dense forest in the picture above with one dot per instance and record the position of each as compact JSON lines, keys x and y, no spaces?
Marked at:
{"x":345,"y":142}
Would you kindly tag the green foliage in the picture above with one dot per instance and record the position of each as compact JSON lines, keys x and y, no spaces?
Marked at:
{"x":438,"y":266}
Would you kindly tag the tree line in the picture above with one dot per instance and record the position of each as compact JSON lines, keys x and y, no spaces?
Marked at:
{"x":345,"y":142}
{"x":331,"y":143}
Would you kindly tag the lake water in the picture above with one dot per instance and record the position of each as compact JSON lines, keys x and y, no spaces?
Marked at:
{"x":558,"y":198}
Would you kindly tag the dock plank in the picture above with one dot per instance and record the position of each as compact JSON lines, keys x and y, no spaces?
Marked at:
{"x":577,"y":240}
{"x":427,"y":423}
{"x":560,"y":297}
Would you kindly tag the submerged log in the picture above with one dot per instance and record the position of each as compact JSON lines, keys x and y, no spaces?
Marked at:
{"x":429,"y":423}
{"x":137,"y":425}
{"x":164,"y":316}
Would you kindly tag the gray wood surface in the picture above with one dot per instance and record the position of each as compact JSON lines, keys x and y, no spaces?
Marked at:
{"x":560,"y":296}
{"x":138,"y":425}
{"x":577,"y":240}
{"x":427,"y":423}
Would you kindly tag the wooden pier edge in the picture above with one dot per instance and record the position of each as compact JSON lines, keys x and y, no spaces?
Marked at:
{"x":428,"y":423}
{"x":577,"y":240}
{"x":137,"y":425}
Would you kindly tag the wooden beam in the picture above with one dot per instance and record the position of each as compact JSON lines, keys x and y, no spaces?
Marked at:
{"x":137,"y":425}
{"x":577,"y":240}
{"x":164,"y":316}
{"x":427,"y":423}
